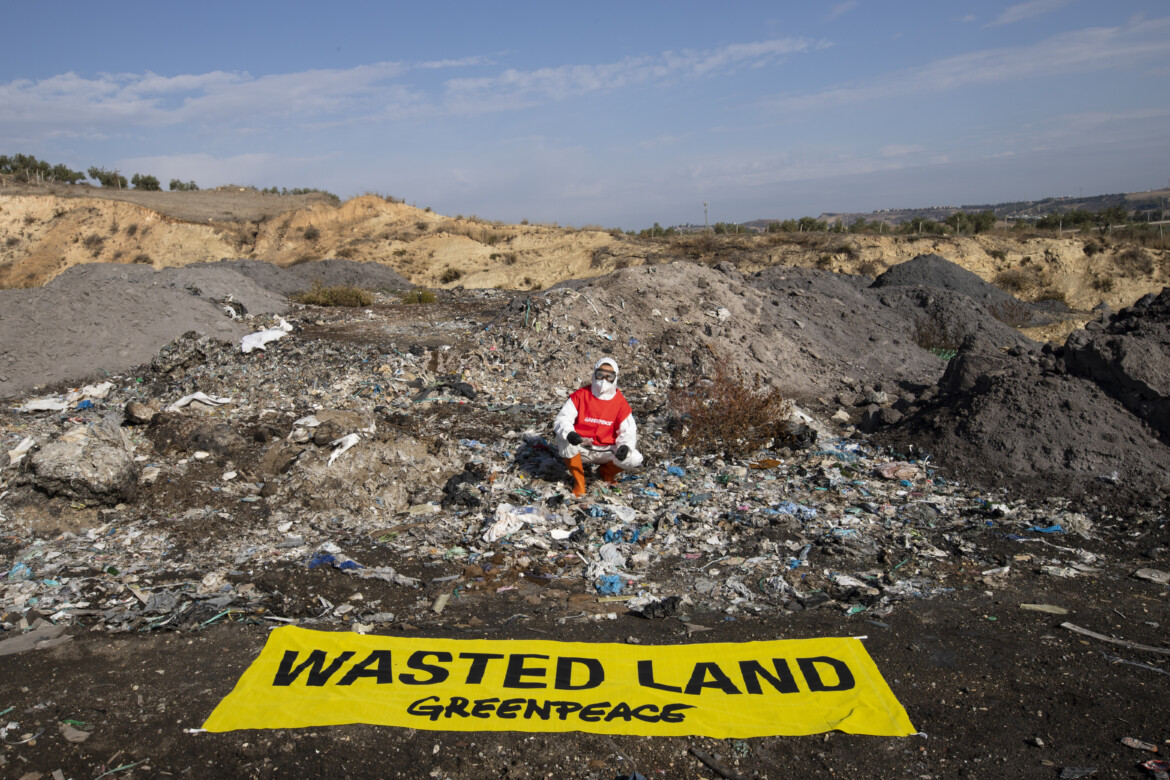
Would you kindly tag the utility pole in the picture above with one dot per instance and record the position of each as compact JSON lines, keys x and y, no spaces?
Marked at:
{"x":705,"y":228}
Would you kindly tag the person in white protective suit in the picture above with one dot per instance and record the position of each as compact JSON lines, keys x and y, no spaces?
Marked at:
{"x":596,"y":426}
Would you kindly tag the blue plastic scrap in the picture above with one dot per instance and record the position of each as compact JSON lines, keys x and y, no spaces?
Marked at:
{"x":797,"y":510}
{"x":676,"y":471}
{"x":86,"y":404}
{"x":1054,"y":529}
{"x":325,"y":559}
{"x":611,"y":585}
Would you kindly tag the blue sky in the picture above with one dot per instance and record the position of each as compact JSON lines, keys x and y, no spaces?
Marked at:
{"x":606,"y":113}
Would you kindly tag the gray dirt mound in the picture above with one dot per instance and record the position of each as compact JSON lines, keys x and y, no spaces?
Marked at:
{"x":105,"y":317}
{"x":1017,"y":421}
{"x":935,"y":271}
{"x":1128,"y":356}
{"x":811,"y":333}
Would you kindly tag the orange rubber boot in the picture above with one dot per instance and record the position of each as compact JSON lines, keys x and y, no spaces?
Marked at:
{"x":609,"y":472}
{"x":577,"y":474}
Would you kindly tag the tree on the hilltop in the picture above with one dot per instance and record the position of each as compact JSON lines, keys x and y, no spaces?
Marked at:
{"x":183,"y":186}
{"x":983,"y":221}
{"x":809,"y":224}
{"x":107,"y":178}
{"x":1107,"y":218}
{"x":962,"y":221}
{"x":31,"y":169}
{"x":145,"y":182}
{"x":958,"y":222}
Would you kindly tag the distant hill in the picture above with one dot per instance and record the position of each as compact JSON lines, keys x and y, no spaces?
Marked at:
{"x":1150,"y":201}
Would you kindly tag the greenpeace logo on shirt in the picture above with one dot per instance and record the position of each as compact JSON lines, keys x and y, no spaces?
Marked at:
{"x":599,"y":422}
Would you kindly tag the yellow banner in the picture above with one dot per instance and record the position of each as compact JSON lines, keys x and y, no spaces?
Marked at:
{"x":751,"y":689}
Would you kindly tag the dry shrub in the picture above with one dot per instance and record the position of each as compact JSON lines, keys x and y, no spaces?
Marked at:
{"x":869,"y":268}
{"x":131,"y":229}
{"x":1053,"y":294}
{"x":1135,"y":260}
{"x":847,"y":250}
{"x":1012,"y":280}
{"x":1011,"y":312}
{"x":998,"y":254}
{"x":1103,"y":284}
{"x":451,"y":275}
{"x":418,"y":296}
{"x":12,"y":241}
{"x":727,"y":413}
{"x":94,"y":243}
{"x":143,"y":259}
{"x":1093,"y":247}
{"x":337,"y":295}
{"x":345,"y":252}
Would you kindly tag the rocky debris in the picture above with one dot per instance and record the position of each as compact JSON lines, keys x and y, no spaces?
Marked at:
{"x":90,"y":463}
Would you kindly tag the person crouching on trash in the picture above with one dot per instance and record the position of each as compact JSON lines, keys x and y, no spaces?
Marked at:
{"x":596,"y":426}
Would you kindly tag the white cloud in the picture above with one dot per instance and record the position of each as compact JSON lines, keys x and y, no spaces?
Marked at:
{"x":840,"y":9}
{"x":105,"y":102}
{"x":968,"y":18}
{"x":900,"y":150}
{"x":1021,"y":11}
{"x":1079,"y":51}
{"x":519,"y":88}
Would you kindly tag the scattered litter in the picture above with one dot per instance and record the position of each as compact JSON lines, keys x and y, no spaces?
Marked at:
{"x":1111,"y":640}
{"x":1048,"y":608}
{"x":1153,"y":575}
{"x":199,"y":399}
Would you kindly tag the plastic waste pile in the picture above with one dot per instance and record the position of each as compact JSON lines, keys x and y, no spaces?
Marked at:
{"x":325,"y":480}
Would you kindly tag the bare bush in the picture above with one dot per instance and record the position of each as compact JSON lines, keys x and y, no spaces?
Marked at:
{"x":728,"y":413}
{"x":451,"y":275}
{"x":1135,"y":260}
{"x":418,"y":296}
{"x":337,"y":295}
{"x":1013,"y":280}
{"x":1011,"y":312}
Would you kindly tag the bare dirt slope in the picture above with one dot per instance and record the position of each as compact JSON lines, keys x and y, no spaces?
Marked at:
{"x":45,"y":230}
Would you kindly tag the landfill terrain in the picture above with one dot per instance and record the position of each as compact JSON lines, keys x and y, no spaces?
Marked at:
{"x":188,"y":460}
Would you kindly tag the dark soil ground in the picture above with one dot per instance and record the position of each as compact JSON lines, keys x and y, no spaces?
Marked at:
{"x":997,"y":691}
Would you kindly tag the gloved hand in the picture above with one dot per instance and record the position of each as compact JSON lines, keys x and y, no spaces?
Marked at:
{"x":623,"y":452}
{"x":574,"y":438}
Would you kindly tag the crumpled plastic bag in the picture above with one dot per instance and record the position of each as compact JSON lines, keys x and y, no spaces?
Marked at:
{"x":260,"y":338}
{"x":198,"y":398}
{"x":341,"y":445}
{"x":510,"y":519}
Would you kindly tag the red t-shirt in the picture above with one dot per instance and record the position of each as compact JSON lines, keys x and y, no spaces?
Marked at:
{"x":597,"y":419}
